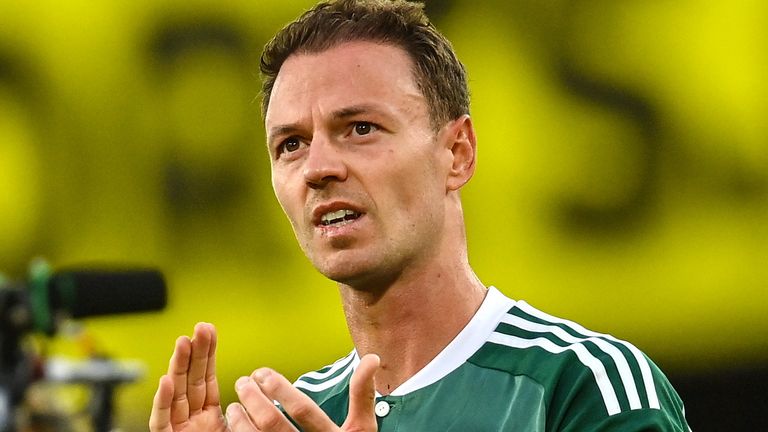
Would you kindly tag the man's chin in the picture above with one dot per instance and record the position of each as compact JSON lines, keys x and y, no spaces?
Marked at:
{"x":341,"y":274}
{"x":352,"y":267}
{"x":360,"y":278}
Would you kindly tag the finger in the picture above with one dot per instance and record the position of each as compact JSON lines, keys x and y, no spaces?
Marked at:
{"x":160,"y":418}
{"x":177,"y":371}
{"x":198,"y":366}
{"x":212,"y":396}
{"x":238,"y":419}
{"x":298,"y":405}
{"x":362,"y":395}
{"x":261,"y":408}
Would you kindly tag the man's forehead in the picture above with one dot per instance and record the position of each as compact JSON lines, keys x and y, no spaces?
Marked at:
{"x":353,"y":74}
{"x":351,"y":61}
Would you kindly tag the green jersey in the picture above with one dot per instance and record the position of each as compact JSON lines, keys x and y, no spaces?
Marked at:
{"x":515,"y":368}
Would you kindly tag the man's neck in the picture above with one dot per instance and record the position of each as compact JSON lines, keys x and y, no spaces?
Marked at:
{"x":412,"y":320}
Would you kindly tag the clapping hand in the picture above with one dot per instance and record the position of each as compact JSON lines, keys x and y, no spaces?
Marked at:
{"x":187,"y":397}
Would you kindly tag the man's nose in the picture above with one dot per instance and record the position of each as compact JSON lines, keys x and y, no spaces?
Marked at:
{"x":324,"y":163}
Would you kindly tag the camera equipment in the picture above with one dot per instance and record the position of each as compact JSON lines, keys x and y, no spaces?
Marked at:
{"x":45,"y":299}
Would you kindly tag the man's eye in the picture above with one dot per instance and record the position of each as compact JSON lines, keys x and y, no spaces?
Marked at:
{"x":290,"y":145}
{"x":363,"y":128}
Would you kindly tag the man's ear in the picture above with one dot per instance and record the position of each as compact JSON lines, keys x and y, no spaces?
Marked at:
{"x":462,"y":144}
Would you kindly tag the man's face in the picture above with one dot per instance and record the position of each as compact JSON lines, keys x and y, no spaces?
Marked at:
{"x":356,"y":165}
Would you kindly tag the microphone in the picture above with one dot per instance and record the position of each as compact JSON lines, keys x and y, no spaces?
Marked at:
{"x":81,"y":292}
{"x":85,"y":293}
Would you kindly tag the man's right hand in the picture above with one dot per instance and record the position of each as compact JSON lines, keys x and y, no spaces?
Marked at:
{"x":187,"y":398}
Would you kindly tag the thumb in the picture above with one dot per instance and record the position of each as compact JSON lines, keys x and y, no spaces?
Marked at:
{"x":362,"y":396}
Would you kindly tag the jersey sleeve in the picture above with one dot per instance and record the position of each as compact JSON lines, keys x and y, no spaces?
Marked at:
{"x":580,"y":404}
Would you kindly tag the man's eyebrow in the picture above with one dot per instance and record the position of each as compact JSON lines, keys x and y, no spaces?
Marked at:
{"x":276,"y":131}
{"x":354,"y":110}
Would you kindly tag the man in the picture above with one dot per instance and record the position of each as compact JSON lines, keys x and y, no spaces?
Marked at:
{"x":367,"y":115}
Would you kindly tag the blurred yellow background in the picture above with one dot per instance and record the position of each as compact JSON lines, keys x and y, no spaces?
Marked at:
{"x":622,"y":178}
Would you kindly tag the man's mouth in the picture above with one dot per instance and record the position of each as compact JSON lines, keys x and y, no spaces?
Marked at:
{"x":338,"y":217}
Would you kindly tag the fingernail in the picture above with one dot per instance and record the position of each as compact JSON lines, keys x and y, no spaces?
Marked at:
{"x":260,"y":376}
{"x":241,"y":382}
{"x":232,"y":409}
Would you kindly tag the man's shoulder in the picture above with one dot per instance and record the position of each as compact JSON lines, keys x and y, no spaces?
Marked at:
{"x":556,"y":352}
{"x":575,"y":366}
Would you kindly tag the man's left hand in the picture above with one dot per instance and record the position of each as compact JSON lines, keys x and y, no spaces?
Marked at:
{"x":256,"y":411}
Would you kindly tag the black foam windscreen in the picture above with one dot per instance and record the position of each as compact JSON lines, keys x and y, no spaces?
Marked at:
{"x":83,"y":293}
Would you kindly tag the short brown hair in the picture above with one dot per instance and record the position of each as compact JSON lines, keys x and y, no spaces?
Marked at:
{"x":437,"y":71}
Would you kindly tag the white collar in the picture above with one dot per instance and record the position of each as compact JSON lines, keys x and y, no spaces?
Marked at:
{"x":463,"y":346}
